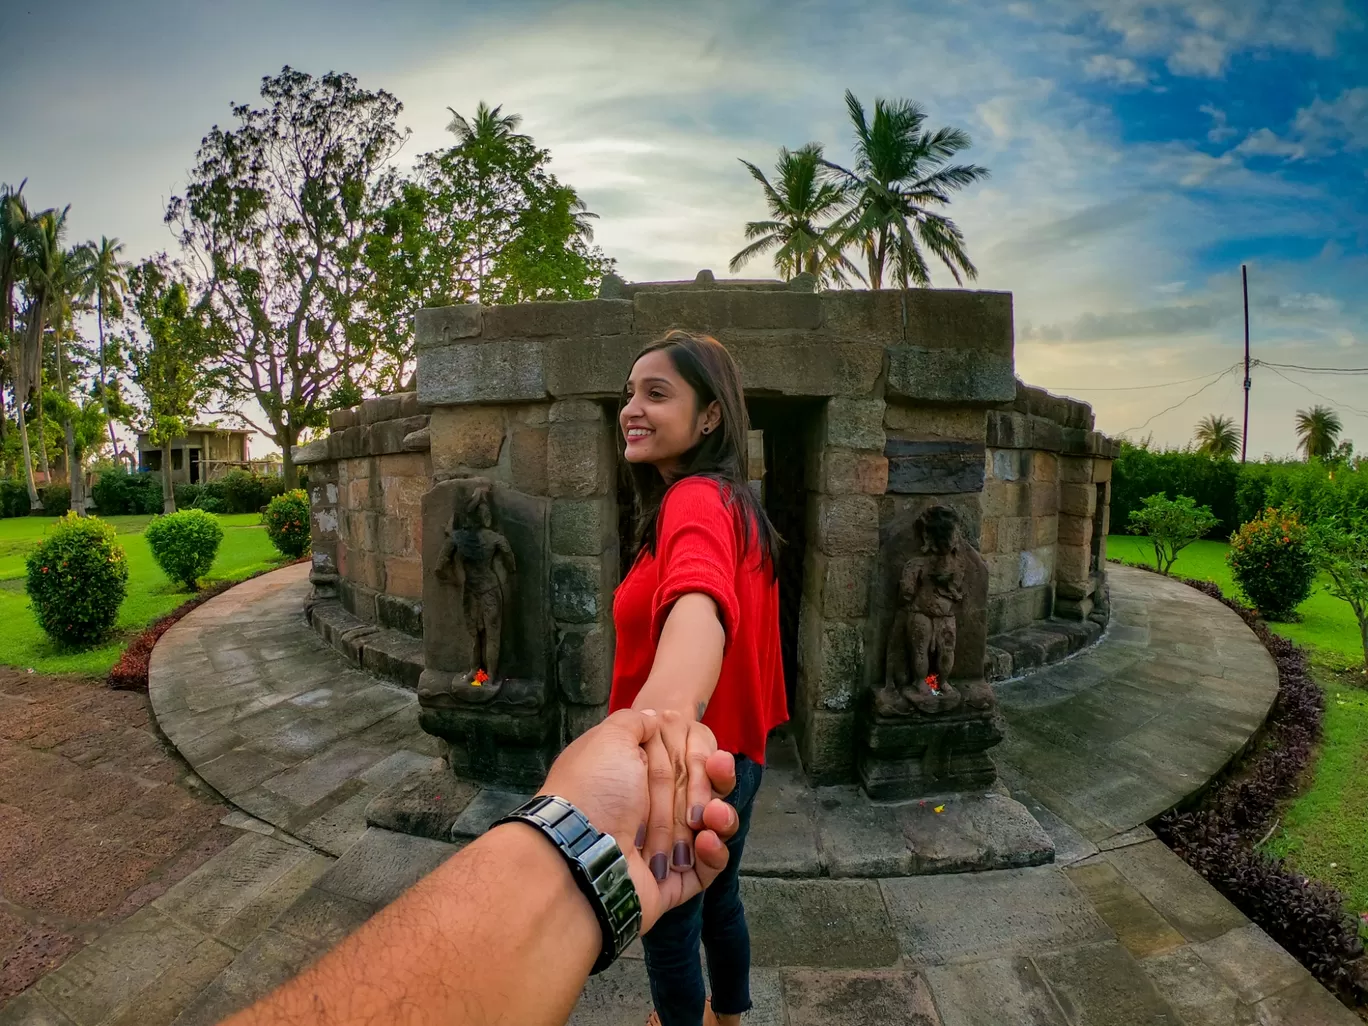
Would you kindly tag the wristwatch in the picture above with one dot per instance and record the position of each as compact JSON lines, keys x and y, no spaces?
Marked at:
{"x":598,"y":866}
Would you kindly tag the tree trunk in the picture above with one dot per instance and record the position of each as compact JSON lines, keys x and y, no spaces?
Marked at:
{"x":104,"y":396}
{"x":168,"y":488}
{"x":34,"y":503}
{"x":1363,"y":632}
{"x":75,"y":480}
{"x":288,"y":436}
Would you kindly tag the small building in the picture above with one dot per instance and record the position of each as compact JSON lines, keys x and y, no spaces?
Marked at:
{"x":204,"y":454}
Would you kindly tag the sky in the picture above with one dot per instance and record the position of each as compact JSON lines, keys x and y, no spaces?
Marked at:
{"x":1140,"y":150}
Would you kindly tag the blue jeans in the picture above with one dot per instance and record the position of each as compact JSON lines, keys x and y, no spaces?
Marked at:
{"x":718,"y":919}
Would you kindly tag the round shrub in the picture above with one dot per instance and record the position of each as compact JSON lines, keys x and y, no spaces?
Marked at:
{"x":184,"y":544}
{"x":287,"y":523}
{"x":1271,"y":562}
{"x":76,"y":580}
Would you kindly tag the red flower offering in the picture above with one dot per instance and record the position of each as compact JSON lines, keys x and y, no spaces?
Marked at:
{"x":480,"y":678}
{"x":933,"y":682}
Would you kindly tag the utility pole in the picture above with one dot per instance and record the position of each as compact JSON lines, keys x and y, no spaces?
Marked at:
{"x":1244,"y":435}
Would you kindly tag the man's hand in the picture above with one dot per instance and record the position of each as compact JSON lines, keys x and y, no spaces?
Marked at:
{"x":604,"y":773}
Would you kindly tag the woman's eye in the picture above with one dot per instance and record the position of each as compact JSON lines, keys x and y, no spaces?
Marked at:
{"x":657,"y":394}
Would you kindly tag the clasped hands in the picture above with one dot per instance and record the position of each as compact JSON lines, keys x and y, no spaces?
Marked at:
{"x":654,"y":781}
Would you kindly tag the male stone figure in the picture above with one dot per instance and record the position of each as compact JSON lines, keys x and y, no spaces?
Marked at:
{"x":921,"y":644}
{"x":479,"y":561}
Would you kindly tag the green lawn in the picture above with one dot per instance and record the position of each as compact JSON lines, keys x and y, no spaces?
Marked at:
{"x":245,"y":550}
{"x":1324,"y":831}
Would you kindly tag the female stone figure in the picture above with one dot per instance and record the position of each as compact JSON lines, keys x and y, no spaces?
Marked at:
{"x":479,"y":561}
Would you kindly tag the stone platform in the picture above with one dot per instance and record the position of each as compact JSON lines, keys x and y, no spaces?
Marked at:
{"x":1116,"y":931}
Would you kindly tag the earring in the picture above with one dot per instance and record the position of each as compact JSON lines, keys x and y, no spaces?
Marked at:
{"x":706,"y":430}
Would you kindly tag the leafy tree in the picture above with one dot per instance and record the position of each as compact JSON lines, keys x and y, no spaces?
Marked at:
{"x":481,"y":221}
{"x":804,"y":194}
{"x":22,"y":366}
{"x":1172,"y":525}
{"x":1318,"y":430}
{"x":1340,"y":550}
{"x":274,"y":224}
{"x":1217,"y":436}
{"x":901,"y":172}
{"x":171,"y":363}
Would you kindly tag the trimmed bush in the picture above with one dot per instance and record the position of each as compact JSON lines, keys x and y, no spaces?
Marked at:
{"x":56,"y":500}
{"x":76,"y":581}
{"x":244,"y":492}
{"x":184,"y":544}
{"x":118,"y":493}
{"x":1270,"y":558}
{"x":287,"y":523}
{"x":14,"y":500}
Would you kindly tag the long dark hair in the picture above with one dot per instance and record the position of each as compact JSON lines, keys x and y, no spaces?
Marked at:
{"x":722,"y":454}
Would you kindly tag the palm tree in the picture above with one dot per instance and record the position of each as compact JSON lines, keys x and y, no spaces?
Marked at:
{"x":13,"y":216}
{"x":1319,"y":430}
{"x":484,"y":140}
{"x":106,"y":282}
{"x":901,"y":171}
{"x":1217,"y":436}
{"x":16,"y":230}
{"x":803,"y":194}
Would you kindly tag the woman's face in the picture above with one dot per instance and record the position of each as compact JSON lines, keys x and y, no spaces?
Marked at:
{"x":660,"y":419}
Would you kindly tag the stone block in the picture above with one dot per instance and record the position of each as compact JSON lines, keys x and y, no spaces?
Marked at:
{"x":1075,"y":469}
{"x":399,"y":613}
{"x":936,"y":423}
{"x":855,"y":997}
{"x":855,"y":423}
{"x":1014,"y":534}
{"x":1044,"y":466}
{"x":466,"y":437}
{"x":844,"y":472}
{"x":988,"y":535}
{"x":1102,"y":984}
{"x":482,"y":372}
{"x":404,"y":577}
{"x":488,"y":806}
{"x":1072,"y":564}
{"x":339,"y":419}
{"x":1073,"y":609}
{"x":807,"y":369}
{"x":382,"y":865}
{"x":444,"y":325}
{"x":1075,"y":531}
{"x":312,"y":452}
{"x":1006,"y":499}
{"x":841,"y":583}
{"x":527,"y":459}
{"x":1044,"y":531}
{"x":583,"y":527}
{"x":1077,"y":500}
{"x":993,"y":993}
{"x":570,"y":318}
{"x":847,"y":525}
{"x":594,"y":367}
{"x":1007,"y":430}
{"x":1140,"y":929}
{"x":1102,"y":470}
{"x":840,"y":661}
{"x":831,"y":924}
{"x":1010,"y":464}
{"x":1191,"y":905}
{"x":1044,"y":498}
{"x":1251,"y":962}
{"x":826,"y":744}
{"x":934,"y":468}
{"x":1045,"y":434}
{"x":579,"y":459}
{"x":577,"y":589}
{"x":1037,"y":567}
{"x":1018,"y":607}
{"x":950,"y":375}
{"x":715,"y":311}
{"x":918,"y":758}
{"x":579,"y":718}
{"x":584,"y":663}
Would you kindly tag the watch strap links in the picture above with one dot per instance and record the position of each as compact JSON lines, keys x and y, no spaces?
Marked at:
{"x":596,"y":863}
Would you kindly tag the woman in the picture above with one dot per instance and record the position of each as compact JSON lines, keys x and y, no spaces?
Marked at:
{"x":697,"y":622}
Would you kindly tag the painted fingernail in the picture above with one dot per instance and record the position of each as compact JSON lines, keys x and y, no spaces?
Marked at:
{"x":660,"y":866}
{"x":641,"y":835}
{"x":696,"y":816}
{"x":683,"y":855}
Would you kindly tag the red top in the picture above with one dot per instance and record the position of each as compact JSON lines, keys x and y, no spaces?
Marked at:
{"x":698,"y":549}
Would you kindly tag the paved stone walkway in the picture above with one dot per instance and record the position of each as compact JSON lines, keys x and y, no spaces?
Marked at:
{"x":1118,"y":931}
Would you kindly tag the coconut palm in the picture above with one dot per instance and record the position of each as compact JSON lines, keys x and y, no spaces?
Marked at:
{"x":105,"y":282}
{"x":901,"y":172}
{"x":13,"y":216}
{"x":485,"y":139}
{"x":25,"y":363}
{"x":1318,"y":430}
{"x":805,"y":192}
{"x":1217,"y":436}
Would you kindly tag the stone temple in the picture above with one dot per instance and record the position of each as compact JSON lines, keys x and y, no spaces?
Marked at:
{"x":944,"y":524}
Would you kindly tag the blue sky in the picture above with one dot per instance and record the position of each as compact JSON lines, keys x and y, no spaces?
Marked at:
{"x":1140,"y":150}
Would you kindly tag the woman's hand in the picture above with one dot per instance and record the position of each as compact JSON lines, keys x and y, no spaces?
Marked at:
{"x":681,"y":786}
{"x":609,"y":773}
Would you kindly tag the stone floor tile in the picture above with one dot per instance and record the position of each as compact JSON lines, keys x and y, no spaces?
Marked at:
{"x":212,"y":896}
{"x":829,"y":998}
{"x":1304,"y":1004}
{"x":317,"y":777}
{"x":782,"y":839}
{"x":1139,"y":928}
{"x":1070,"y":845}
{"x":487,"y":807}
{"x":31,"y":1009}
{"x":258,"y":913}
{"x":1196,"y":991}
{"x":832,"y":923}
{"x":857,"y":838}
{"x":382,"y":865}
{"x":618,"y":996}
{"x":240,"y":770}
{"x":979,"y":916}
{"x":174,"y":990}
{"x":1193,"y":907}
{"x":1251,"y":962}
{"x":321,"y":918}
{"x":101,"y":979}
{"x":993,"y":993}
{"x":1136,"y":835}
{"x":1101,"y":985}
{"x":338,"y":828}
{"x":768,"y":1007}
{"x":265,"y":964}
{"x":398,"y":765}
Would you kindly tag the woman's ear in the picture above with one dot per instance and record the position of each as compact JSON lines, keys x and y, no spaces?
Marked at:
{"x":712,"y":417}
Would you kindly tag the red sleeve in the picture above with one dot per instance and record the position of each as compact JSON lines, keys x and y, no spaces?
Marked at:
{"x":696,"y":552}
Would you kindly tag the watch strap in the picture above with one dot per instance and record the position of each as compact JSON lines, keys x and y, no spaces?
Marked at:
{"x":598,"y":866}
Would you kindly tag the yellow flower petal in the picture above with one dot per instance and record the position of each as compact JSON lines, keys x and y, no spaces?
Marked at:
{"x":940,"y":808}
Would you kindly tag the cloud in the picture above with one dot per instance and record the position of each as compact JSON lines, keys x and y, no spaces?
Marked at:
{"x":1267,"y":143}
{"x":1320,"y":129}
{"x":1170,"y":320}
{"x":1121,"y":70}
{"x":1220,"y":129}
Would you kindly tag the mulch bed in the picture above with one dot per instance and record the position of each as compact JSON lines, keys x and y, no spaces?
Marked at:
{"x":96,"y":818}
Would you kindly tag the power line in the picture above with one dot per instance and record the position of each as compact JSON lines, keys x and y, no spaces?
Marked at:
{"x":1334,"y":402}
{"x":1314,"y":370}
{"x":1136,"y":388}
{"x":1181,"y":401}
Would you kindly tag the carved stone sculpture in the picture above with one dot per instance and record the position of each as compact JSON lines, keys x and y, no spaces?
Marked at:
{"x":479,"y":563}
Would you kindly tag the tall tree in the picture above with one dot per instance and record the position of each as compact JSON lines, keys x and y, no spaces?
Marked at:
{"x":171,"y":360}
{"x":14,"y":218}
{"x":1318,"y":430}
{"x":901,"y":172}
{"x":106,"y":279}
{"x":804,"y":194}
{"x":1217,"y":436}
{"x":273,"y":224}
